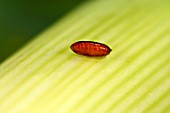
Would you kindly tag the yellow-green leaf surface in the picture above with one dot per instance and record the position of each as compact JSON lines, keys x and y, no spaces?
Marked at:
{"x":47,"y":77}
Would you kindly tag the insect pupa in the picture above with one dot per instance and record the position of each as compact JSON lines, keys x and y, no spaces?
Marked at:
{"x":90,"y":48}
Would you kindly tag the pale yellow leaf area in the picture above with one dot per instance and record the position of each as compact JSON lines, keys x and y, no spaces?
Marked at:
{"x":45,"y":76}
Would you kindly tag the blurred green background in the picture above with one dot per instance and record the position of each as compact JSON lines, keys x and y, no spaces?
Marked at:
{"x":21,"y":20}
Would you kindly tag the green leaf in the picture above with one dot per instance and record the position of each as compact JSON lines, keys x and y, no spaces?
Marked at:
{"x":47,"y":77}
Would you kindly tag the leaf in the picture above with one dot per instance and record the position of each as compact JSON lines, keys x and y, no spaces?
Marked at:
{"x":47,"y":77}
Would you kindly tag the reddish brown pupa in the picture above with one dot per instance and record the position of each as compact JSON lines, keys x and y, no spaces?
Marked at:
{"x":90,"y":48}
